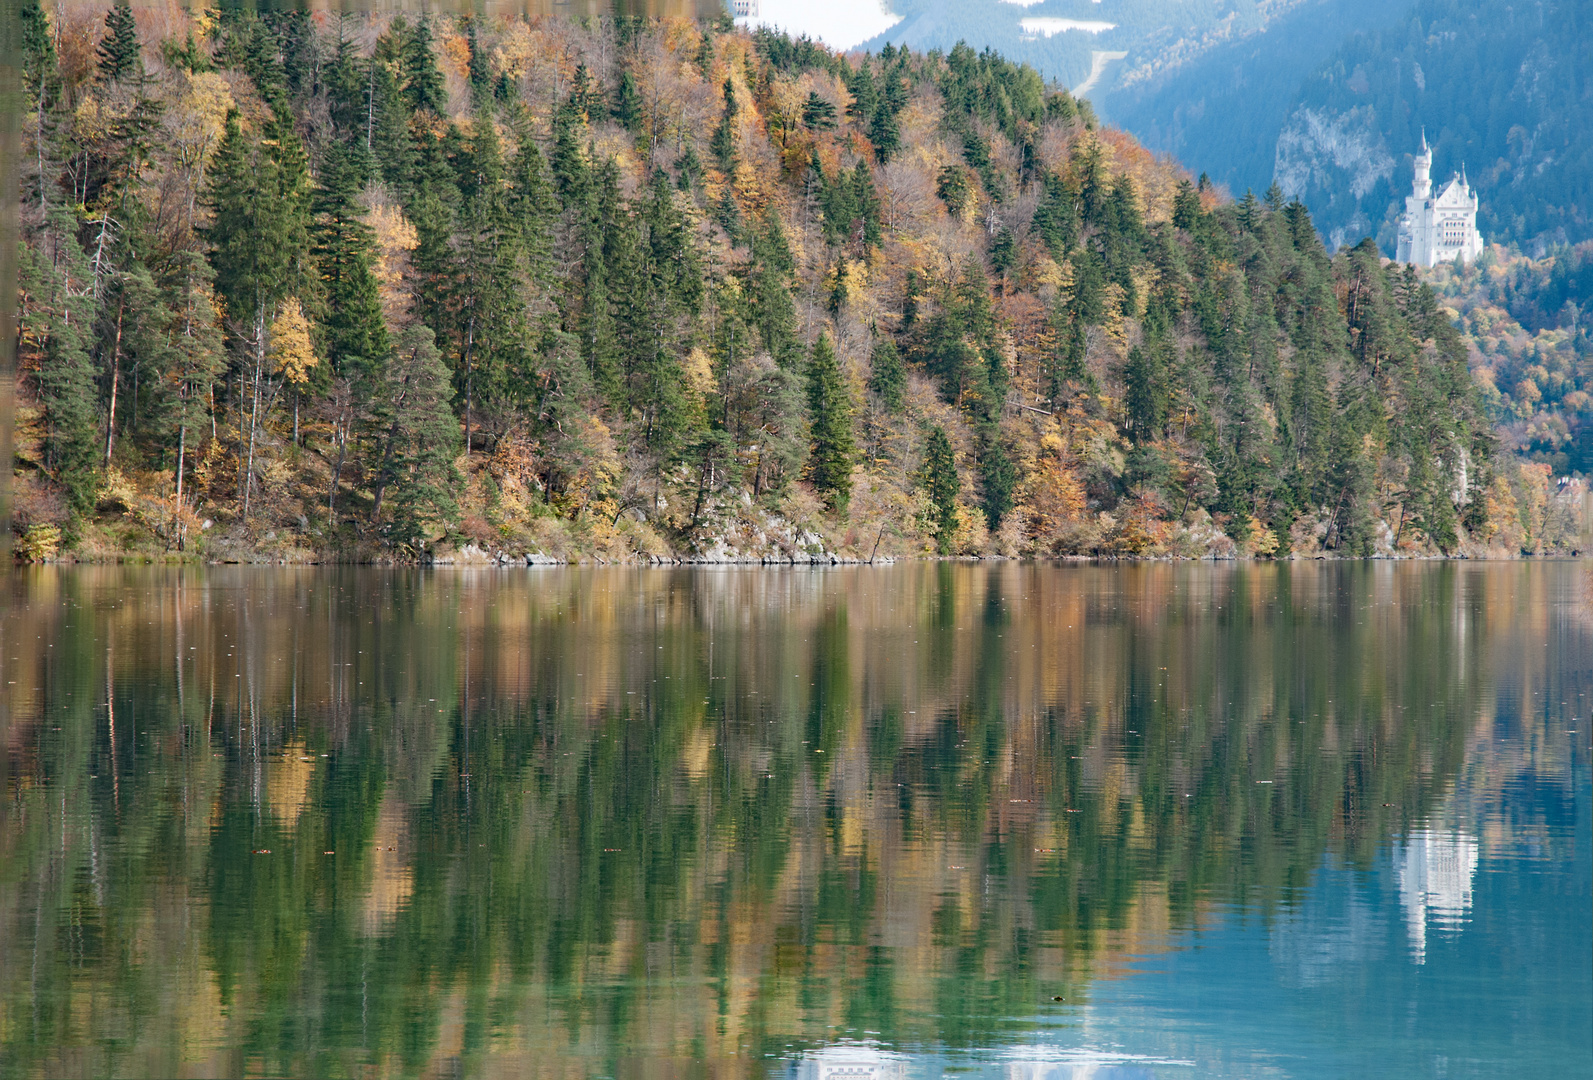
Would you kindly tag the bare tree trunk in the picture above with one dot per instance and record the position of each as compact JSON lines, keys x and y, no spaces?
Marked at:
{"x":177,"y":509}
{"x":116,"y":378}
{"x":254,"y":409}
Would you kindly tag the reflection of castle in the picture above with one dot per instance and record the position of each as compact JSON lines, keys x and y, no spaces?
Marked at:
{"x":1437,"y":228}
{"x":849,"y":1063}
{"x":1434,"y":871}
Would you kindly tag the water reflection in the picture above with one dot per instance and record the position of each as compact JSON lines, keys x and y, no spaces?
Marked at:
{"x":602,"y":821}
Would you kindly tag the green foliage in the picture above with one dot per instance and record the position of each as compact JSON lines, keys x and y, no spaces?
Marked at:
{"x":939,"y":480}
{"x":119,"y":52}
{"x":888,"y":377}
{"x":830,"y":414}
{"x":416,"y":435}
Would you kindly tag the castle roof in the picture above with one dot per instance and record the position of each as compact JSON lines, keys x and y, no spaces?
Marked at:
{"x":1455,"y":193}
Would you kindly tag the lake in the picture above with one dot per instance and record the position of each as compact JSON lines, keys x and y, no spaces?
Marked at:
{"x":1251,"y":820}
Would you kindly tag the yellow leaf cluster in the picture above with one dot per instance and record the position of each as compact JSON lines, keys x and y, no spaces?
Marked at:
{"x":292,"y":352}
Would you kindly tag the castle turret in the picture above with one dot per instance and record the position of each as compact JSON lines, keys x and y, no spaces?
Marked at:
{"x":1424,"y":168}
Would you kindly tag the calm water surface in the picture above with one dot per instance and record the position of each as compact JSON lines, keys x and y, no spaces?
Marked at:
{"x":1024,"y":821}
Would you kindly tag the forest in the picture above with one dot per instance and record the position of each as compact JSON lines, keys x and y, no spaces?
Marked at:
{"x":306,"y":287}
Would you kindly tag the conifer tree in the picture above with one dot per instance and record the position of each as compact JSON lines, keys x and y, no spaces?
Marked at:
{"x":834,"y":446}
{"x":260,"y":240}
{"x":120,"y":56}
{"x":1144,"y":393}
{"x":865,"y":95}
{"x":41,"y":87}
{"x":939,"y":480}
{"x":888,"y":379}
{"x":353,"y":323}
{"x":423,"y":80}
{"x":723,"y":143}
{"x":774,"y":309}
{"x":197,"y":361}
{"x":417,"y":436}
{"x":628,"y":103}
{"x":885,"y":133}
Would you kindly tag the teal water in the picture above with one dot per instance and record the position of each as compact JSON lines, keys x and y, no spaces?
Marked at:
{"x":1298,"y":820}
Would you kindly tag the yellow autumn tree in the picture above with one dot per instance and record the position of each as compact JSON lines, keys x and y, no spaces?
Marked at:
{"x":292,"y":352}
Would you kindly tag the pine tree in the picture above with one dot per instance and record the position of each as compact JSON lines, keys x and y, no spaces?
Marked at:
{"x":41,"y":87}
{"x":422,"y":79}
{"x":260,"y":241}
{"x":940,"y":482}
{"x":723,"y":143}
{"x":119,"y":51}
{"x":888,"y":380}
{"x":417,"y":437}
{"x":1144,"y":393}
{"x":774,"y":310}
{"x":885,"y":134}
{"x":480,"y":74}
{"x":628,"y":103}
{"x":354,"y":327}
{"x":865,"y":96}
{"x":834,"y":446}
{"x":59,"y":313}
{"x":198,"y":360}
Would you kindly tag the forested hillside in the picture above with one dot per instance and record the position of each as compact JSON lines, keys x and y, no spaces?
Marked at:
{"x":298,"y":286}
{"x":1532,"y":349}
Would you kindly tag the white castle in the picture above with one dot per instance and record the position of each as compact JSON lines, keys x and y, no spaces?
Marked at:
{"x":1436,"y":228}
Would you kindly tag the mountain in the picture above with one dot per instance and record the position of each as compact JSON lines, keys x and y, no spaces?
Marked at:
{"x":1221,"y":112}
{"x":1503,"y":90}
{"x":298,"y":286}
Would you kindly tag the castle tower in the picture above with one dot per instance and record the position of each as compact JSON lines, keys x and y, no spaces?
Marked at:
{"x":1438,"y":227}
{"x":1424,"y":166}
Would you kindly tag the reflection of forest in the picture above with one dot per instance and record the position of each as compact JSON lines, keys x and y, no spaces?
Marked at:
{"x":589,"y":816}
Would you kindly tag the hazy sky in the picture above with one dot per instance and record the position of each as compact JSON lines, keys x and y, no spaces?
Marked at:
{"x":840,"y":24}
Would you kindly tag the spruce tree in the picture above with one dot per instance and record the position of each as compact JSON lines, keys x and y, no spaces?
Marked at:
{"x":888,"y":379}
{"x":834,"y":445}
{"x":627,"y":109}
{"x":885,"y":134}
{"x":774,"y":309}
{"x":60,"y":314}
{"x":939,"y":480}
{"x":723,"y":142}
{"x":354,"y":327}
{"x":423,"y":80}
{"x":119,"y":52}
{"x":416,"y":436}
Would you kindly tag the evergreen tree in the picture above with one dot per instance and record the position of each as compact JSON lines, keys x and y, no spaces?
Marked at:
{"x":628,"y":103}
{"x":1144,"y":384}
{"x":120,"y":56}
{"x":888,"y":379}
{"x":834,"y":447}
{"x":423,"y":84}
{"x":417,"y":436}
{"x":885,"y":134}
{"x":817,"y":113}
{"x":774,"y":310}
{"x":939,"y":480}
{"x":353,"y":324}
{"x":723,"y":143}
{"x":865,"y":96}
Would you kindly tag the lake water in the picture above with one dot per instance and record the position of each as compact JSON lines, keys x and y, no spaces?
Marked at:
{"x":1297,"y":820}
